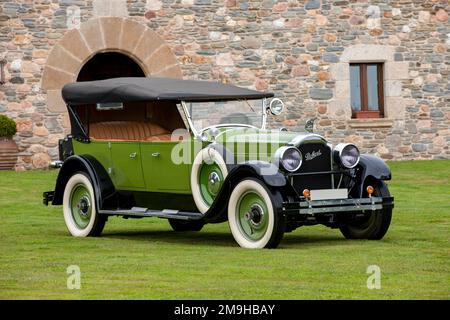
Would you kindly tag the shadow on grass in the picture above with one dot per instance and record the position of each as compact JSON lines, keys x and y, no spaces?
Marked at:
{"x":224,"y":239}
{"x":172,"y":237}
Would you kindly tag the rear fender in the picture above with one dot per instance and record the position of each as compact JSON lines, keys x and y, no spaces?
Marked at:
{"x":103,"y":187}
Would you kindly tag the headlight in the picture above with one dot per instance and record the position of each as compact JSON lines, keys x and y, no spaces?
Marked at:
{"x":347,"y":154}
{"x":290,"y":158}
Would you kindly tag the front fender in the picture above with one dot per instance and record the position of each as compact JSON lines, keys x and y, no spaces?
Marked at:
{"x":372,"y":167}
{"x":103,"y":187}
{"x":266,"y":172}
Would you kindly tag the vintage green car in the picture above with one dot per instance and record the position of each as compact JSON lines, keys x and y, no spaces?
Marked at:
{"x":198,"y":152}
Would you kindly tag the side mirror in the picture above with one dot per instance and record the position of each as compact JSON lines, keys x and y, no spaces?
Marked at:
{"x":276,"y":106}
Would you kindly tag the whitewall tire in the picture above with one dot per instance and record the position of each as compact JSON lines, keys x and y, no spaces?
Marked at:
{"x":80,"y":211}
{"x":252,"y":216}
{"x":209,"y":170}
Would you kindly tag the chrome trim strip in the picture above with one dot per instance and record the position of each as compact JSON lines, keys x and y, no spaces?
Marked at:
{"x":335,"y":205}
{"x":341,"y":202}
{"x":366,"y":207}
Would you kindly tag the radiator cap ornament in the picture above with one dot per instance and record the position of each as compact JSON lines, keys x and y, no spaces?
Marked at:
{"x":309,"y":125}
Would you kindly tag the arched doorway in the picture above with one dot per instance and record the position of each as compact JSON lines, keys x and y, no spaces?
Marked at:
{"x":107,"y":36}
{"x":109,"y":65}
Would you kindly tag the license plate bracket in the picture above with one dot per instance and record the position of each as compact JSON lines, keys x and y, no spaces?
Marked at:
{"x":328,"y":194}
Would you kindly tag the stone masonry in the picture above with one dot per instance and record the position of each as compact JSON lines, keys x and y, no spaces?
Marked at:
{"x":298,"y":49}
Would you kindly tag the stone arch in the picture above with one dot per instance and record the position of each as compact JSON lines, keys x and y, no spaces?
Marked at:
{"x":394,"y":73}
{"x":115,"y":34}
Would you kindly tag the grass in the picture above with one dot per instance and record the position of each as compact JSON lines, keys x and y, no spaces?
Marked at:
{"x":144,"y":259}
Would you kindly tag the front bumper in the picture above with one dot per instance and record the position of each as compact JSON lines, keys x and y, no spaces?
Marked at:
{"x":314,"y":207}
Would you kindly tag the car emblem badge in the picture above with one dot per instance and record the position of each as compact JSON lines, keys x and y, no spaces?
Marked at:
{"x":312,"y":155}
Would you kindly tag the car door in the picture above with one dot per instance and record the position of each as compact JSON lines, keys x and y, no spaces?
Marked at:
{"x":162,"y":172}
{"x":126,"y":168}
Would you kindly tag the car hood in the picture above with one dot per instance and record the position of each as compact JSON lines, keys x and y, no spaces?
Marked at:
{"x":250,"y":135}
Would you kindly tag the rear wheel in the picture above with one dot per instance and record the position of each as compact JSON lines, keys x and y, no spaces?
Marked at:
{"x":183,"y":225}
{"x":80,"y":212}
{"x":373,"y":225}
{"x":252,"y":216}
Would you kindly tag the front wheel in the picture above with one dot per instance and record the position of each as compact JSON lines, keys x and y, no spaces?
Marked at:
{"x":80,"y":212}
{"x":373,"y":225}
{"x":253,"y":217}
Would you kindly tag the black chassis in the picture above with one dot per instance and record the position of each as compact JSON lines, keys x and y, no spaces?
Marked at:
{"x":301,"y":211}
{"x":298,"y":210}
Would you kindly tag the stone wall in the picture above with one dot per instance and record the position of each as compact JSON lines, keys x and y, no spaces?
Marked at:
{"x":298,"y":49}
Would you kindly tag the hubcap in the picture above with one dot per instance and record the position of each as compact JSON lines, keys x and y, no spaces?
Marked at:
{"x":214,"y":183}
{"x":210,"y":181}
{"x":83,"y":206}
{"x":80,"y":203}
{"x":252,"y":215}
{"x":255,"y":215}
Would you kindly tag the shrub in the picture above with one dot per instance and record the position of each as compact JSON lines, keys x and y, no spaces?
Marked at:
{"x":7,"y":127}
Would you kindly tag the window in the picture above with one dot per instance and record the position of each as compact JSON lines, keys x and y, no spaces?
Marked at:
{"x":366,"y":89}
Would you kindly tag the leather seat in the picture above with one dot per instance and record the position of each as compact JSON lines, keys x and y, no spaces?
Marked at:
{"x":128,"y":131}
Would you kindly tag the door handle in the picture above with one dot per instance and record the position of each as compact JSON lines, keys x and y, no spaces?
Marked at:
{"x":156,"y":154}
{"x":133,"y":155}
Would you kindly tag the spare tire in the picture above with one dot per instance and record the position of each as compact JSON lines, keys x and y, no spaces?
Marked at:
{"x":209,"y":170}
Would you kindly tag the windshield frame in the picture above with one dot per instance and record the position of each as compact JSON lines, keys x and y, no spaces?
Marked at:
{"x":197,"y":133}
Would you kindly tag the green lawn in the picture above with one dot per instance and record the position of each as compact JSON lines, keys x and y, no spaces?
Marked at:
{"x":144,"y":259}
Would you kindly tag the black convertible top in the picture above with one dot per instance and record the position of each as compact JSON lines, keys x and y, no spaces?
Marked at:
{"x":150,"y":89}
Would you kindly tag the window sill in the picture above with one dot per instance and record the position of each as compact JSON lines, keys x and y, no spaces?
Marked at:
{"x":371,"y":123}
{"x":366,"y":115}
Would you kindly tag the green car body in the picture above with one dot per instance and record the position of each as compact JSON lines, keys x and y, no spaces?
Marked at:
{"x":141,"y":154}
{"x":160,"y":174}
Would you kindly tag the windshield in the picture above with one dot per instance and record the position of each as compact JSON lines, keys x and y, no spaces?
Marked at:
{"x":240,"y":112}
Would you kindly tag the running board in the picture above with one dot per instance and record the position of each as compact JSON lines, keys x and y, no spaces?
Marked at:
{"x":145,"y":212}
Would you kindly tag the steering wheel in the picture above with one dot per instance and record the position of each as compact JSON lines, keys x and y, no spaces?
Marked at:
{"x":227,"y":125}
